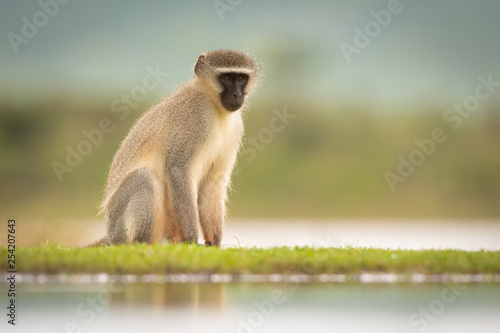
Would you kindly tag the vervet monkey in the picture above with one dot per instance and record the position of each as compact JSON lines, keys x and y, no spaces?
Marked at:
{"x":172,"y":171}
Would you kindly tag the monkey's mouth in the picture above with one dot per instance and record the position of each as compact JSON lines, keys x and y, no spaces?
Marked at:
{"x":232,"y":103}
{"x":232,"y":106}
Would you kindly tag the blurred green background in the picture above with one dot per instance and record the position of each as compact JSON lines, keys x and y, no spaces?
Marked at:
{"x":353,"y":119}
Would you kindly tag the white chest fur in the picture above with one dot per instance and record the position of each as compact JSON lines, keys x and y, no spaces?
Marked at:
{"x":221,"y":147}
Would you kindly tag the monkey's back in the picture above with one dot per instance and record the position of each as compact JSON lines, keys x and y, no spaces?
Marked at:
{"x":147,"y":142}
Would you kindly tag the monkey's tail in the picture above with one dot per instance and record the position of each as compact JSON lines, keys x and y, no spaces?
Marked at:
{"x":104,"y":241}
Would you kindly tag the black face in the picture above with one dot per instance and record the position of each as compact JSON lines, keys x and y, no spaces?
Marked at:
{"x":233,"y":95}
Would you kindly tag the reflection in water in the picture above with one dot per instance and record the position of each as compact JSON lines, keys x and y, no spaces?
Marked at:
{"x":257,"y":307}
{"x":161,"y":295}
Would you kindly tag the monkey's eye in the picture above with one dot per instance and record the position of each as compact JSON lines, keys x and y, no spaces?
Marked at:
{"x":240,"y":78}
{"x":227,"y":78}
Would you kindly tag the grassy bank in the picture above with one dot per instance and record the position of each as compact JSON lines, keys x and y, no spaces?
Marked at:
{"x":161,"y":259}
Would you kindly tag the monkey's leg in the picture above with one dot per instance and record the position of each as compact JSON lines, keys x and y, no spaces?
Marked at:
{"x":183,"y":198}
{"x":134,"y":211}
{"x":211,"y":203}
{"x":171,"y":230}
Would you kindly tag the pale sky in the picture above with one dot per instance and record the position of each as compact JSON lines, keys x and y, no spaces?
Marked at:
{"x":427,"y":51}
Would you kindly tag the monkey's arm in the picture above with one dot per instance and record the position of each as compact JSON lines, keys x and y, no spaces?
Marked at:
{"x":211,"y":203}
{"x":212,"y":196}
{"x":184,"y":202}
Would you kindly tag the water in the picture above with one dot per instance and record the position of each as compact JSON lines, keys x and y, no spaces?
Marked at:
{"x":465,"y":234}
{"x":468,"y":234}
{"x":255,"y":307}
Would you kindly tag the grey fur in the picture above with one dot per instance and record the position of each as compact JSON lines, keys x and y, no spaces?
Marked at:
{"x":134,"y":202}
{"x":104,"y":241}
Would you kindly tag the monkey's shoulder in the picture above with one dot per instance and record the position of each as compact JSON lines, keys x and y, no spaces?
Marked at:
{"x":188,"y":98}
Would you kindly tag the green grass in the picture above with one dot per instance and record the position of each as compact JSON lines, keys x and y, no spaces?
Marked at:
{"x":164,"y":259}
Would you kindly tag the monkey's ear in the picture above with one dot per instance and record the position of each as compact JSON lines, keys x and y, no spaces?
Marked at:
{"x":199,"y":64}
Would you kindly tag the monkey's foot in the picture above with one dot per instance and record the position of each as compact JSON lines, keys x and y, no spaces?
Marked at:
{"x":209,"y":243}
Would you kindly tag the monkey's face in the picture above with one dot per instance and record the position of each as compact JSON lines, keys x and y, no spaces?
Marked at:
{"x":233,"y":94}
